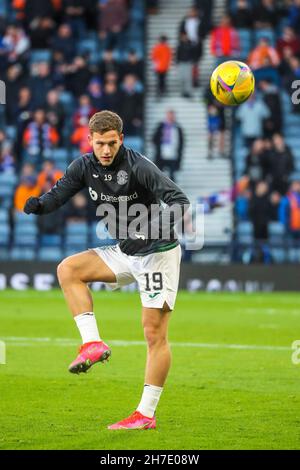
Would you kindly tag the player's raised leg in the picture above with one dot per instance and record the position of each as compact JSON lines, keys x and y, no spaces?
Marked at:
{"x":155,"y":323}
{"x":74,"y":273}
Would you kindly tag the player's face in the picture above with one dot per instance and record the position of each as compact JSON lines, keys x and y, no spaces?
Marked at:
{"x":106,"y":146}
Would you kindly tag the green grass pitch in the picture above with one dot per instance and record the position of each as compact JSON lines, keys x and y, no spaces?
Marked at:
{"x":232,"y":384}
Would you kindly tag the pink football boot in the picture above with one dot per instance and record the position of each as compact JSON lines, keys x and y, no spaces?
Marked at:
{"x":135,"y":421}
{"x":89,"y":354}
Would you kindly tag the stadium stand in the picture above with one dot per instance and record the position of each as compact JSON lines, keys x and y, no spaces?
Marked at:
{"x":55,"y":66}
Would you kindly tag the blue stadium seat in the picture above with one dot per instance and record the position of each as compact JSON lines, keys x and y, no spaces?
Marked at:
{"x":75,"y":239}
{"x":136,"y":143}
{"x":265,"y":33}
{"x":3,"y":216}
{"x":22,"y":239}
{"x":22,"y":254}
{"x":244,"y":231}
{"x":245,"y":36}
{"x":50,"y":240}
{"x":276,"y":231}
{"x":4,"y":234}
{"x":11,"y":132}
{"x":100,"y":236}
{"x":6,"y":191}
{"x":87,"y":45}
{"x":10,"y":179}
{"x":79,"y":228}
{"x":40,"y":55}
{"x":61,"y":158}
{"x":50,"y":254}
{"x":22,"y":218}
{"x":6,"y":202}
{"x":73,"y":250}
{"x":3,"y":8}
{"x":60,"y":153}
{"x":4,"y":254}
{"x":26,"y":229}
{"x":67,"y":101}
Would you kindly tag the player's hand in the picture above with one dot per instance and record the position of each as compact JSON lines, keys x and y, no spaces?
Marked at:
{"x":131,"y":246}
{"x":32,"y":206}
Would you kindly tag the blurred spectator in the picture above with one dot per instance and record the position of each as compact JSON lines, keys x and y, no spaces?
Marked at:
{"x":35,"y":10}
{"x":281,"y":164}
{"x":267,"y":14}
{"x":215,"y":130}
{"x":225,"y":41}
{"x":77,"y":210}
{"x":55,"y":112}
{"x":267,"y":72}
{"x":294,"y":15}
{"x":257,"y":163}
{"x":242,"y":16}
{"x":84,"y":110}
{"x":215,"y":124}
{"x":252,"y":114}
{"x":161,"y":55}
{"x":77,"y":75}
{"x":108,"y":64}
{"x":169,"y":141}
{"x":291,"y":74}
{"x":7,"y":159}
{"x":40,"y":83}
{"x":48,"y":176}
{"x":133,"y":65}
{"x":95,"y":93}
{"x":112,"y":21}
{"x":79,"y":138}
{"x":14,"y":81}
{"x":184,"y":59}
{"x":289,"y":210}
{"x":205,"y":8}
{"x":259,"y":210}
{"x":16,"y":44}
{"x":152,"y":6}
{"x":111,"y":96}
{"x":290,"y":40}
{"x":192,"y":25}
{"x":23,"y":115}
{"x":262,"y":52}
{"x":271,"y":98}
{"x":75,"y":11}
{"x":28,"y":187}
{"x":39,"y":137}
{"x":131,"y":106}
{"x":41,"y":32}
{"x":64,"y":43}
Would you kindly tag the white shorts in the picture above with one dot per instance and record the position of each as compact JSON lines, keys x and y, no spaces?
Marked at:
{"x":157,"y":274}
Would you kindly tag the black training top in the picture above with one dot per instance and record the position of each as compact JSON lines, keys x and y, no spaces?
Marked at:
{"x":130,"y":179}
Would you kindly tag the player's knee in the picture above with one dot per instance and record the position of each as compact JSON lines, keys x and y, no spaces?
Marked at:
{"x":154,"y":336}
{"x":64,"y":272}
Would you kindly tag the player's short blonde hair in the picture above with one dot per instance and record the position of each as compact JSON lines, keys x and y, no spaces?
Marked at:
{"x":105,"y":121}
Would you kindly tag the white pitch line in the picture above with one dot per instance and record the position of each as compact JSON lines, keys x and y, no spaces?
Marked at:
{"x":27,"y":341}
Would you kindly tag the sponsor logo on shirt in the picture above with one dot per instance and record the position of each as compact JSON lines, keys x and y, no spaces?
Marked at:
{"x":109,"y":198}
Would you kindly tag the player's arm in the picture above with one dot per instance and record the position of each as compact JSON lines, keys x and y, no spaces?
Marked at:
{"x":68,"y":185}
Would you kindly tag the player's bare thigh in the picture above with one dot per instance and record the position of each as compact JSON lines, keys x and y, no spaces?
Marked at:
{"x":86,"y":266}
